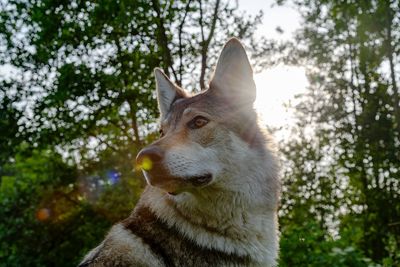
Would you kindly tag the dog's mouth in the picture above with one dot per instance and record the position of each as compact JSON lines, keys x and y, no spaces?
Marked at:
{"x":200,"y":180}
{"x":193,"y":181}
{"x":175,"y":185}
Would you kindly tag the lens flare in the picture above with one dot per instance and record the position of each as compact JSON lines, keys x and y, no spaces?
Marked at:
{"x":146,"y":164}
{"x":43,"y":214}
{"x":113,"y":176}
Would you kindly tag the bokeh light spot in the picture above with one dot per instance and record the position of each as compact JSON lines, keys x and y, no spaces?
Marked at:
{"x":43,"y":214}
{"x":113,"y":176}
{"x":146,"y":164}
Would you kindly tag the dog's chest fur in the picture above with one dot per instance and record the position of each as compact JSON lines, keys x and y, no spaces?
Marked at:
{"x":150,"y":238}
{"x":170,"y":245}
{"x":213,"y":180}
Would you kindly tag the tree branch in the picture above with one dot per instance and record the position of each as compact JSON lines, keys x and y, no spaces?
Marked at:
{"x":162,"y":40}
{"x":124,"y":129}
{"x":206,"y":42}
{"x":180,"y":28}
{"x":103,"y":142}
{"x":390,"y":50}
{"x":135,"y":127}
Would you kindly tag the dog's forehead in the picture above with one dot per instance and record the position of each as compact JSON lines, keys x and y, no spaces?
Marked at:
{"x":184,"y":106}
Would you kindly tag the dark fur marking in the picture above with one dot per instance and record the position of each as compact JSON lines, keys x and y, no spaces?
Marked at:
{"x":174,"y":248}
{"x":138,"y":226}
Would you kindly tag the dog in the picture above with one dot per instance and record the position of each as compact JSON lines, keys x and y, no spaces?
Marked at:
{"x":213,"y":180}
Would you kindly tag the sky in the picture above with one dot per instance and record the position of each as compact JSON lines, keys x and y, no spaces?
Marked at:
{"x":277,"y":86}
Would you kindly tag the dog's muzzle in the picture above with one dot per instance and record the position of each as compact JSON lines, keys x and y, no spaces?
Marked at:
{"x":148,"y":157}
{"x":150,"y":160}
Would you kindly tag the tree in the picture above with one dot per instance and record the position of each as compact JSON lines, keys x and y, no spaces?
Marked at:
{"x":352,"y":103}
{"x":83,"y":101}
{"x":89,"y":65}
{"x":41,"y":209}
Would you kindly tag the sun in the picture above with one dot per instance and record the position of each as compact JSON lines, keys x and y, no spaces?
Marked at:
{"x":275,"y":88}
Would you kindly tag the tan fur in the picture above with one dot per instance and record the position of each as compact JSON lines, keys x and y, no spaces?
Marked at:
{"x":214,"y":190}
{"x":121,"y":248}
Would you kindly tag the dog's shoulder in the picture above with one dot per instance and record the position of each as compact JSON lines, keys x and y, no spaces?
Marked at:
{"x":144,"y":239}
{"x":122,"y":247}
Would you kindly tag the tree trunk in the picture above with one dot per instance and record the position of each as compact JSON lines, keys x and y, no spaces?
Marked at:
{"x":135,"y":127}
{"x":162,"y":40}
{"x":180,"y":52}
{"x":390,"y":52}
{"x":206,"y":41}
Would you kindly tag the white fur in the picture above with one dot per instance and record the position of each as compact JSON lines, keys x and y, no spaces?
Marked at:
{"x":191,"y":160}
{"x":136,"y":248}
{"x":93,"y":252}
{"x":235,"y":213}
{"x":121,"y":243}
{"x":241,"y":202}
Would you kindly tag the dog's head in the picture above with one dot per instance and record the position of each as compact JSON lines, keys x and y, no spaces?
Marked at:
{"x":209,"y":138}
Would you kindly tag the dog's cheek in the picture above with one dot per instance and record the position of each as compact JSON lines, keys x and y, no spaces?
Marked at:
{"x":204,"y":136}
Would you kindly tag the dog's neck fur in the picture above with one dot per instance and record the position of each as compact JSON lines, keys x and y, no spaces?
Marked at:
{"x":241,"y":231}
{"x":224,"y":218}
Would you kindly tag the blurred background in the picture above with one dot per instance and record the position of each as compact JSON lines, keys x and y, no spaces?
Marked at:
{"x":77,"y":102}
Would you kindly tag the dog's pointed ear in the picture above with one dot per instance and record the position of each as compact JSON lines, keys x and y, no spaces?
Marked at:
{"x":167,"y":92}
{"x":233,"y":76}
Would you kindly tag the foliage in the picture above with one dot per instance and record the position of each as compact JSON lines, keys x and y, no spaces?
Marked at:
{"x":307,"y":245}
{"x":343,"y":159}
{"x":80,"y":103}
{"x":40,"y":208}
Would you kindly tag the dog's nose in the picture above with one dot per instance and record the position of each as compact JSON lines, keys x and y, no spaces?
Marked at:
{"x":148,"y":156}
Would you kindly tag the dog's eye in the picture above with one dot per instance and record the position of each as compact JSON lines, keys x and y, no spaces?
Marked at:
{"x":198,"y":122}
{"x":161,"y":132}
